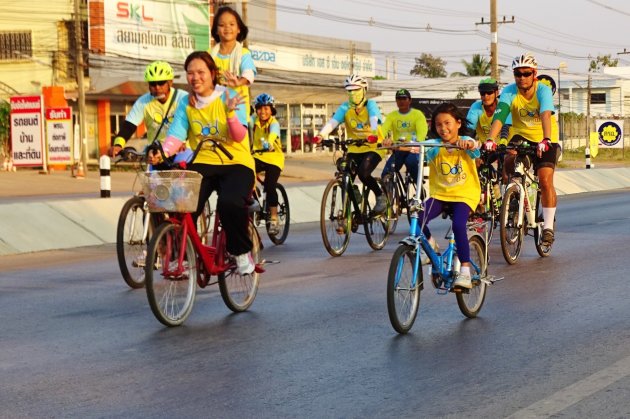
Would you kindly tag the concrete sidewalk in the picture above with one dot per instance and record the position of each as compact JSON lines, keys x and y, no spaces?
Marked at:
{"x":56,"y":211}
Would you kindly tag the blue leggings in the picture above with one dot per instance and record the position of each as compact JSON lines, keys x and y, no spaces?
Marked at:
{"x":461,"y":212}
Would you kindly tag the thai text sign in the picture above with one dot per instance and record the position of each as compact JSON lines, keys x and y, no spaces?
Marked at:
{"x":155,"y":29}
{"x":27,"y":131}
{"x":59,"y":135}
{"x":311,"y":61}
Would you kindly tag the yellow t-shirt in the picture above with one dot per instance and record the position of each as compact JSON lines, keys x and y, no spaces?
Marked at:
{"x":407,"y":125}
{"x":358,"y":125}
{"x":453,"y":177}
{"x":223,"y":63}
{"x":269,"y":131}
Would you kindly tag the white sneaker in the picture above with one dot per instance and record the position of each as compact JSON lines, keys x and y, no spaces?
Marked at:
{"x":139,"y":261}
{"x":274,"y":228}
{"x":245,"y":264}
{"x":463,"y":280}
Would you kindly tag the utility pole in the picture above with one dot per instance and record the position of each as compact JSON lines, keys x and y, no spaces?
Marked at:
{"x":82,"y":166}
{"x":588,"y":110}
{"x":494,"y":38}
{"x":244,"y":9}
{"x":351,"y":57}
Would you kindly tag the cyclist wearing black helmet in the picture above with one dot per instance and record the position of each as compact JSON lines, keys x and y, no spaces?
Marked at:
{"x":481,"y":112}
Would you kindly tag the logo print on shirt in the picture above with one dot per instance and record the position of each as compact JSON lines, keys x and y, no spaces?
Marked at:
{"x":403,"y":124}
{"x":199,"y":128}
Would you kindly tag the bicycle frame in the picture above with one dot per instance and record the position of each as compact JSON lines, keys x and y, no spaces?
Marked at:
{"x":444,"y":265}
{"x":522,"y":179}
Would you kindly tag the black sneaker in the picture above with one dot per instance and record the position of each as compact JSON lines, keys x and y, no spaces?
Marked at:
{"x":547,"y":237}
{"x":381,"y":204}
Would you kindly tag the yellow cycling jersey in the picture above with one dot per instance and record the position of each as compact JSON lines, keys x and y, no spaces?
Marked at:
{"x":407,"y":125}
{"x":358,"y":127}
{"x":268,"y":131}
{"x":453,"y":177}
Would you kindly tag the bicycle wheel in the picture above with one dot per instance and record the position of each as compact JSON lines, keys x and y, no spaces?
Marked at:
{"x":511,"y":235}
{"x":131,"y":247}
{"x":542,"y":250}
{"x":334,"y":222}
{"x":239,"y":291}
{"x":389,"y":186}
{"x":403,"y":290}
{"x":171,"y":294}
{"x":284,"y":216}
{"x":205,"y":224}
{"x":470,"y":301}
{"x":376,"y":226}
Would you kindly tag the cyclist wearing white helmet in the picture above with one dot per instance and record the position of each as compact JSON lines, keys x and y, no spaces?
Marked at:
{"x":530,"y":103}
{"x":266,"y":136}
{"x":155,"y":109}
{"x":361,"y":117}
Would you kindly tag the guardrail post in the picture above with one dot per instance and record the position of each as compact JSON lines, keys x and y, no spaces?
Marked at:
{"x":587,"y":152}
{"x":106,"y":180}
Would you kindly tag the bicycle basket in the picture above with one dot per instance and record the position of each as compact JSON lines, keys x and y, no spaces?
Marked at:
{"x":171,"y":190}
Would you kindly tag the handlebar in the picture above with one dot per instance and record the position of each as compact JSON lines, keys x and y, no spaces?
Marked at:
{"x":342,"y":143}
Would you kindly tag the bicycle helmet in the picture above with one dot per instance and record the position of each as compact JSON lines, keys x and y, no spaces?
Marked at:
{"x":265,"y":99}
{"x":158,"y":71}
{"x":354,"y":82}
{"x":524,"y":60}
{"x":488,"y":85}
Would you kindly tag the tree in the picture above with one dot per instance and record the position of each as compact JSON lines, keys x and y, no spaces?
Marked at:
{"x":478,"y":66}
{"x":5,"y":110}
{"x":601,"y":62}
{"x":429,"y":66}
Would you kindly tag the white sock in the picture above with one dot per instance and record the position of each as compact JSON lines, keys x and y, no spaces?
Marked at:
{"x":548,"y":214}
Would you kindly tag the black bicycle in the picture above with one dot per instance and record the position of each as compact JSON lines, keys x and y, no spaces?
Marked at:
{"x":344,"y":207}
{"x":262,"y":214}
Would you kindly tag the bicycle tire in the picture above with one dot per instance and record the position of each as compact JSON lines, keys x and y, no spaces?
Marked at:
{"x":543,"y":251}
{"x":130,"y":247}
{"x":376,"y":226}
{"x":511,"y":236}
{"x":403,"y":297}
{"x":284,"y":216}
{"x":171,"y":297}
{"x":390,"y":188}
{"x":334,"y":222}
{"x":239,"y":291}
{"x":470,"y":301}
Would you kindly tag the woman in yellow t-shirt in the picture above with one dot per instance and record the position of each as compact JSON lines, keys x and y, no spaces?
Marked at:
{"x":453,"y":181}
{"x":218,"y":113}
{"x":266,"y":137}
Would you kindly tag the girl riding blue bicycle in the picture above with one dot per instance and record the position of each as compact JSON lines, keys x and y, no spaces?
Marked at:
{"x":453,"y":182}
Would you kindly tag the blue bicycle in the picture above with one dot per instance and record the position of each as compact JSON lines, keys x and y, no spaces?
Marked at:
{"x":406,"y":275}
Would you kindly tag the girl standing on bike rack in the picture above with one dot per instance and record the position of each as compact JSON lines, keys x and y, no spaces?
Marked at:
{"x":361,"y":117}
{"x":218,"y":113}
{"x":453,"y":181}
{"x":266,"y":136}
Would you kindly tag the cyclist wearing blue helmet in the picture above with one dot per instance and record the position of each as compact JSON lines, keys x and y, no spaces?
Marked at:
{"x":266,"y":136}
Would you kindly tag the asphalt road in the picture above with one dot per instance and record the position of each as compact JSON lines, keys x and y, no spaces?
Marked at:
{"x":553,"y":338}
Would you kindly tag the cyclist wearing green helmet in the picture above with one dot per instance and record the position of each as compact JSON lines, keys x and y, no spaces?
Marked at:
{"x":479,"y":118}
{"x":155,"y":109}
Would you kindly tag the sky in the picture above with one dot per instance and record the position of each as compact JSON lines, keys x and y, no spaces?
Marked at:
{"x":560,"y":33}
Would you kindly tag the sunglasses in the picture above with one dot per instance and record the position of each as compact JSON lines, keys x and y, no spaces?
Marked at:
{"x":157,"y":83}
{"x":523,"y":74}
{"x":485,"y":93}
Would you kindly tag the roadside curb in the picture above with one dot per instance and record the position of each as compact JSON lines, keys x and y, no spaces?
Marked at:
{"x":68,"y":223}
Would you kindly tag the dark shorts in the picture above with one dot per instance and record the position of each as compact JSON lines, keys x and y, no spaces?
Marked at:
{"x":549,"y":158}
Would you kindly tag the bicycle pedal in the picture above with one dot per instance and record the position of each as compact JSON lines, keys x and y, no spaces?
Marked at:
{"x":259,"y":268}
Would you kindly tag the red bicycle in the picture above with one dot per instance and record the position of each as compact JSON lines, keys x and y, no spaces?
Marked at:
{"x":177,"y":260}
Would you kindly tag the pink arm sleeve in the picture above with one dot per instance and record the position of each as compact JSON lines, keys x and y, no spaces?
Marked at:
{"x":236,"y":129}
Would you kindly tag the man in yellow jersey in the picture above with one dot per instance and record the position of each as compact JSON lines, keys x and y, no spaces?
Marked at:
{"x":479,"y":118}
{"x":361,"y":117}
{"x":405,"y":124}
{"x":533,"y":120}
{"x":155,"y":109}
